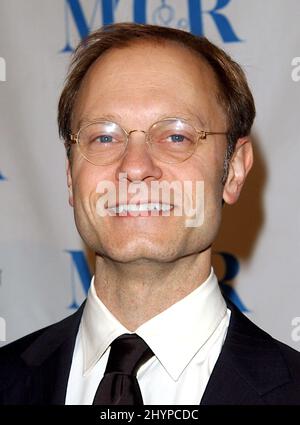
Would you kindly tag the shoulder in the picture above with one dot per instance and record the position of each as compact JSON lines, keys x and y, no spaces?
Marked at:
{"x":267,"y":364}
{"x":36,"y":346}
{"x":242,"y":329}
{"x":291,"y":356}
{"x":13,"y":350}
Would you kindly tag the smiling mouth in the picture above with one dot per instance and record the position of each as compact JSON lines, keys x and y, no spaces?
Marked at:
{"x":140,"y":208}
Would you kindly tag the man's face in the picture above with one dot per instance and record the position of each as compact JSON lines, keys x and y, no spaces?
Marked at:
{"x":137,"y":86}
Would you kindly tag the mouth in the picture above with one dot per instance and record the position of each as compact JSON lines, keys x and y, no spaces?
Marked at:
{"x":144,"y":209}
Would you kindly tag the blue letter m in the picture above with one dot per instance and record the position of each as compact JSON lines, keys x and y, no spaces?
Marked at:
{"x":79,"y":263}
{"x":83,"y":27}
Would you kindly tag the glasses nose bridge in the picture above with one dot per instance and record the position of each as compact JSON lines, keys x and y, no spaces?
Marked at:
{"x":136,"y":130}
{"x":129,"y":133}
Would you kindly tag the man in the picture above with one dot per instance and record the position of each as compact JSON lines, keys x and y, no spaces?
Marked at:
{"x":144,"y":105}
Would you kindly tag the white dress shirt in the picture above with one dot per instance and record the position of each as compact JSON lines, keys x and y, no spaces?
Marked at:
{"x":186,"y":339}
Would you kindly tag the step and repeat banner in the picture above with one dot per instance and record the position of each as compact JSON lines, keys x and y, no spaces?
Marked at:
{"x":45,"y":270}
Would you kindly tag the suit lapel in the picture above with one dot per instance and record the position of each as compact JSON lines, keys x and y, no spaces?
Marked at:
{"x":227,"y":386}
{"x":244,"y":371}
{"x":48,"y":362}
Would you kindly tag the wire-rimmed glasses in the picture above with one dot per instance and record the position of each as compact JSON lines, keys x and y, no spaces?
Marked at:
{"x":170,"y":140}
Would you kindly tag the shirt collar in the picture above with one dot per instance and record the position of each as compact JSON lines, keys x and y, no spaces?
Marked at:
{"x":183,"y":328}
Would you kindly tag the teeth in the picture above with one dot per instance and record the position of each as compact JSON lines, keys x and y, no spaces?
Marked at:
{"x":141,"y":207}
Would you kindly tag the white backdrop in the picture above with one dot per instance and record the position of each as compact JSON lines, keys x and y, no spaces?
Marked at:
{"x":44,"y":272}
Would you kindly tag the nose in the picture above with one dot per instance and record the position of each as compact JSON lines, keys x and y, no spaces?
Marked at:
{"x":137,"y":161}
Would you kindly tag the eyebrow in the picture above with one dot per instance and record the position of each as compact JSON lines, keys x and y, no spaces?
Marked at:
{"x":110,"y":117}
{"x":118,"y":119}
{"x":189,"y":116}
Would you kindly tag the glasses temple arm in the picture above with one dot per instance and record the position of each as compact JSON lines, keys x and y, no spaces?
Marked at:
{"x":204,"y":134}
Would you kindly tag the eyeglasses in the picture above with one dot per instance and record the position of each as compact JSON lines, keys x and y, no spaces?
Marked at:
{"x":170,"y":140}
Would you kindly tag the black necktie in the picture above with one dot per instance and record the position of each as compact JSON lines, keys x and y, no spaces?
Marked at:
{"x":119,"y":384}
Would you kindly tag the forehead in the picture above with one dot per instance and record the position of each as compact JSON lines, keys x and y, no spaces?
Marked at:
{"x":144,"y":76}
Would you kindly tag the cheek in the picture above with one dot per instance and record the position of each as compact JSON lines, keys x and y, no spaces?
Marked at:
{"x":209,"y":170}
{"x":85,"y":180}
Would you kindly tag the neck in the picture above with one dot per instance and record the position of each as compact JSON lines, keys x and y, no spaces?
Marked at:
{"x":137,"y":291}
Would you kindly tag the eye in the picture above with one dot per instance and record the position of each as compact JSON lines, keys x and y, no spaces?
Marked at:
{"x":176,"y":138}
{"x":105,"y":138}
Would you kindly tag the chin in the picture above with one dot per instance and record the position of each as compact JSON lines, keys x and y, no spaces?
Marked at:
{"x":137,"y":253}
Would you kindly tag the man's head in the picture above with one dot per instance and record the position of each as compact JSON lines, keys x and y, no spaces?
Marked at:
{"x":135,"y":75}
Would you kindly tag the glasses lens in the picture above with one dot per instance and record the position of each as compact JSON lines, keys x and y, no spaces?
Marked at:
{"x":172,"y":140}
{"x":102,"y":142}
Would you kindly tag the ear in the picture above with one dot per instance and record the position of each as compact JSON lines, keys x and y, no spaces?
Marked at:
{"x":69,"y":182}
{"x":239,"y":167}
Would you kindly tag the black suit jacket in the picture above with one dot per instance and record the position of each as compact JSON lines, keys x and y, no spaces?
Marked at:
{"x":252,"y":369}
